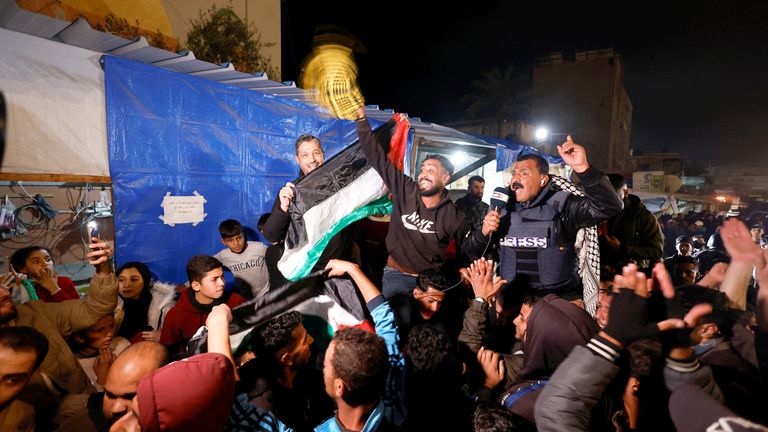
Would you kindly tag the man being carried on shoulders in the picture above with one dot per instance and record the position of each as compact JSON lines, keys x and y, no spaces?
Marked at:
{"x":424,"y":220}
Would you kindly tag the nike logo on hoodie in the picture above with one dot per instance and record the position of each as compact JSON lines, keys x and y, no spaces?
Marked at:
{"x":415,"y":223}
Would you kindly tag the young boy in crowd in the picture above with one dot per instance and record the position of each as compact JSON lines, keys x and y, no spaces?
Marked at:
{"x":245,"y":259}
{"x":206,"y":280}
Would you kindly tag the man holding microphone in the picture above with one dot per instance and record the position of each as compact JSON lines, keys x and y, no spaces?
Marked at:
{"x":538,"y":229}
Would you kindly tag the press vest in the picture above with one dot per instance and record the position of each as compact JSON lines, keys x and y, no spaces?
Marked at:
{"x":531,"y":247}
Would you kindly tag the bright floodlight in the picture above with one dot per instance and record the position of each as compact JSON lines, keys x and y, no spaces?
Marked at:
{"x":458,"y":158}
{"x":541,"y":133}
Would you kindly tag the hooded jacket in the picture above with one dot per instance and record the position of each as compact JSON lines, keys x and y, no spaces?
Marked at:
{"x":166,"y":403}
{"x":418,"y":236}
{"x":188,"y":315}
{"x":555,"y":326}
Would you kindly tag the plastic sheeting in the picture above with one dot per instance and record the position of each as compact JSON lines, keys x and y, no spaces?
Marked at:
{"x":508,"y":151}
{"x":54,"y":97}
{"x":169,"y":132}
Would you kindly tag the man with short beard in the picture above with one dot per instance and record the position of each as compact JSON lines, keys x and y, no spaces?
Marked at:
{"x":309,"y":156}
{"x":472,"y":204}
{"x":424,"y":220}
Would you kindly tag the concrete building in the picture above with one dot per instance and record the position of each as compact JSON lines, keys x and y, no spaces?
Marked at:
{"x":669,"y":163}
{"x":743,"y":180}
{"x":583,"y":95}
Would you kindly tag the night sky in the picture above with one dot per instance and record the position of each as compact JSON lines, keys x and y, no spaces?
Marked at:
{"x":696,"y":72}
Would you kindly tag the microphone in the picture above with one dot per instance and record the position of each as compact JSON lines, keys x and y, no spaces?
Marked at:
{"x":499,"y":198}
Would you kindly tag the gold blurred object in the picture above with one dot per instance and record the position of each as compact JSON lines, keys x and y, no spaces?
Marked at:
{"x":331,"y":71}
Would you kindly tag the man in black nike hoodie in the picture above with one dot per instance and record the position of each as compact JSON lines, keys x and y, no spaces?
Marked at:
{"x":424,"y":220}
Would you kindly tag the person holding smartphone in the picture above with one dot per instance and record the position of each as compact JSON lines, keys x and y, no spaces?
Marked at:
{"x":63,"y":374}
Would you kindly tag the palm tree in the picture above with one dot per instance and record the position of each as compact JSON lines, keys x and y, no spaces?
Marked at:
{"x":500,"y":95}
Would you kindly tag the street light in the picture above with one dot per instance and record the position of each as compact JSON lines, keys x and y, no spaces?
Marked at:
{"x":544,"y":137}
{"x":541,"y":134}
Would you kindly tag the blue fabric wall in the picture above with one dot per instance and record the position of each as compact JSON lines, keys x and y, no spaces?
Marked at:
{"x":508,"y":151}
{"x":170,"y":132}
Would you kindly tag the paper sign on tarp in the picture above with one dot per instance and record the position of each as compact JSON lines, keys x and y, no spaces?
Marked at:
{"x":183,"y":209}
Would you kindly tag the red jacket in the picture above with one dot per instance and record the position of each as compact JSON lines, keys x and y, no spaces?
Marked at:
{"x":67,"y":291}
{"x":187,"y":316}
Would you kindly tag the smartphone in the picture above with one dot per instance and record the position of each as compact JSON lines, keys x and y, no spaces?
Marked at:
{"x":93,"y":230}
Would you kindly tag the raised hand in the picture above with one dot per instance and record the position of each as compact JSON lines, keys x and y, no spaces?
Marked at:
{"x":99,"y":255}
{"x":738,"y":242}
{"x":340,"y":267}
{"x":493,"y":367}
{"x":102,"y":364}
{"x":219,"y":313}
{"x":484,"y":283}
{"x":10,"y":282}
{"x":761,"y":269}
{"x":48,"y":280}
{"x":286,"y":196}
{"x":628,"y":317}
{"x":573,"y":155}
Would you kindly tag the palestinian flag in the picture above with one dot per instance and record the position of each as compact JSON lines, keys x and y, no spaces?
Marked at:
{"x":341,"y":191}
{"x":325,"y":305}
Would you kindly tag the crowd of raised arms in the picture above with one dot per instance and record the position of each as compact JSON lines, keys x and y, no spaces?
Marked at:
{"x":568,"y":307}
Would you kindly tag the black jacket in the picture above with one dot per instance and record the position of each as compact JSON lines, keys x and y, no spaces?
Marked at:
{"x":418,"y":236}
{"x":639,"y":234}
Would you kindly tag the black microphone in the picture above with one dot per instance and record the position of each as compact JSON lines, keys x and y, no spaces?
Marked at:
{"x":499,"y":198}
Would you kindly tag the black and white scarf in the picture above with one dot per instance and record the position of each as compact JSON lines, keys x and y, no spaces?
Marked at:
{"x":587,"y":250}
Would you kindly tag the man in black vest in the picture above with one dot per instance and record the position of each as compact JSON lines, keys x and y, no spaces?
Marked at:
{"x":538,"y":228}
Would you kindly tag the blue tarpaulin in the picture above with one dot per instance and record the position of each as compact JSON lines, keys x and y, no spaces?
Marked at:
{"x":179,"y":134}
{"x":508,"y":151}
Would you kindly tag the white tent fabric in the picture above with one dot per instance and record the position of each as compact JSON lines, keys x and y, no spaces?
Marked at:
{"x":54,"y":95}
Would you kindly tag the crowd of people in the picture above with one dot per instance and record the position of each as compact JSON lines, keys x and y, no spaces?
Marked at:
{"x":475,"y":317}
